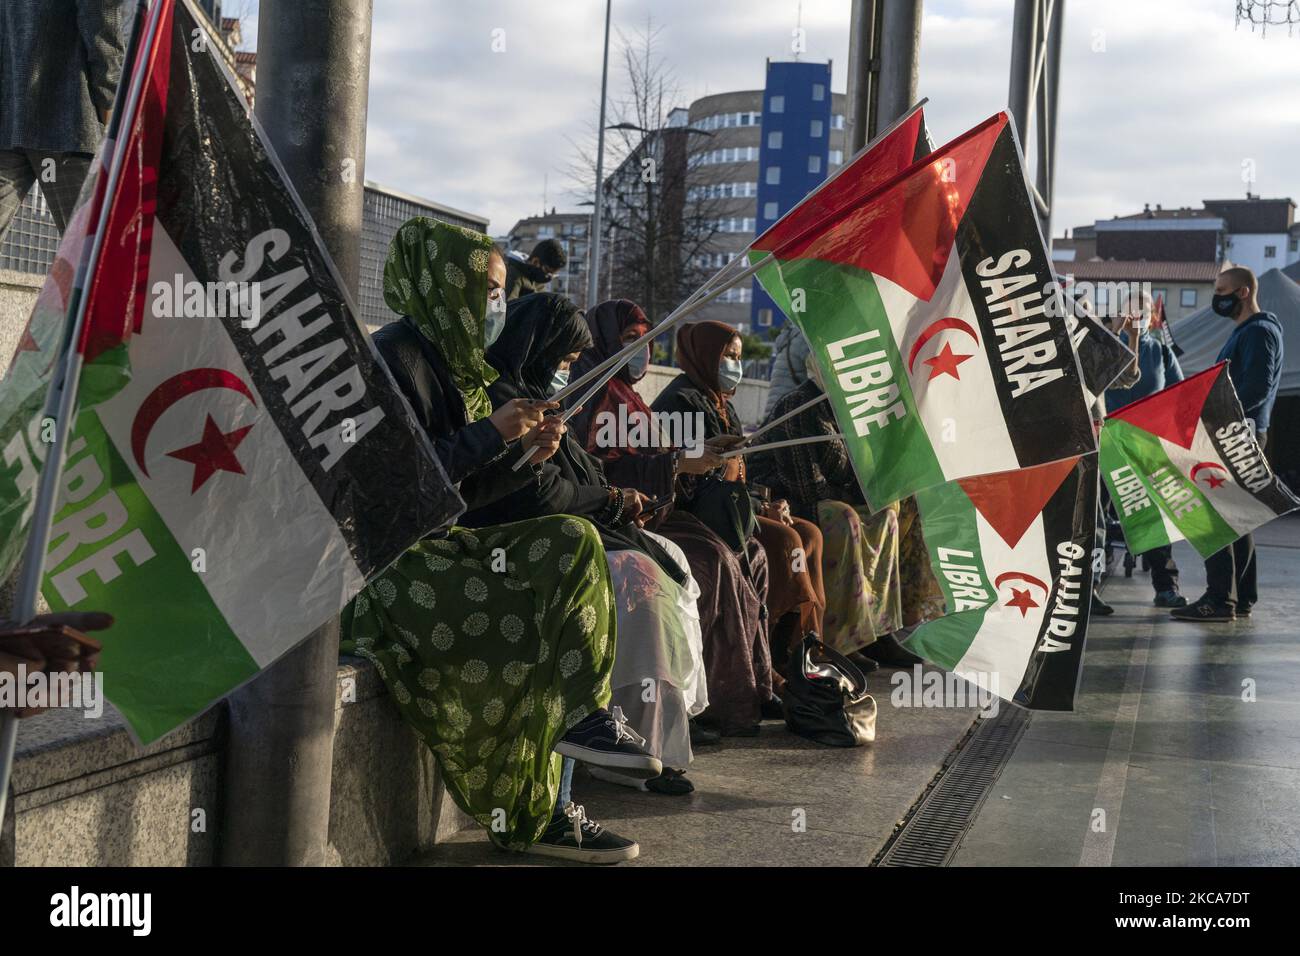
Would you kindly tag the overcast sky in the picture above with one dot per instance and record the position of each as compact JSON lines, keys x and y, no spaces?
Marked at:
{"x":1162,"y":101}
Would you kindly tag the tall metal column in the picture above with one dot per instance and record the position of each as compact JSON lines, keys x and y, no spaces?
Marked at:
{"x":313,"y":78}
{"x":1032,"y":94}
{"x":863,"y":68}
{"x":900,"y":59}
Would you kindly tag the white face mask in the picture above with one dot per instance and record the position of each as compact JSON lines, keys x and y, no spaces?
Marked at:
{"x":730,"y":373}
{"x":559,"y":379}
{"x":638,"y":363}
{"x":495,"y":321}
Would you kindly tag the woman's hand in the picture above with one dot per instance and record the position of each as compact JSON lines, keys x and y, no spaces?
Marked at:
{"x":545,"y":437}
{"x":519,"y":415}
{"x":778,"y":510}
{"x":634,"y":506}
{"x":45,"y":647}
{"x":700,"y":464}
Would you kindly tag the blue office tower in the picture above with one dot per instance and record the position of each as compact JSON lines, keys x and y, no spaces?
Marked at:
{"x":793,"y":156}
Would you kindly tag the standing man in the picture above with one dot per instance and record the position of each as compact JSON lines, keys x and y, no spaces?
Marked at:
{"x":60,"y":61}
{"x":534,"y":274}
{"x":789,"y":358}
{"x":1160,"y":369}
{"x":1254,"y":355}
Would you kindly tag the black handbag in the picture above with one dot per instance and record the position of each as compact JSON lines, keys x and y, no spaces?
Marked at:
{"x":826,"y":697}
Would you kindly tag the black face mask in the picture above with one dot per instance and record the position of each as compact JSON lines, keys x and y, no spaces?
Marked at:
{"x":1225,"y":305}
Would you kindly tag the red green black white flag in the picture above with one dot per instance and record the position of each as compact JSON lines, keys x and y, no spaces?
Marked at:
{"x":1184,"y":462}
{"x":254,"y":468}
{"x":1012,"y":553}
{"x":935,"y":319}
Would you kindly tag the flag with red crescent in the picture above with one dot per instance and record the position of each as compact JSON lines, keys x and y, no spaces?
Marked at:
{"x":933,"y":313}
{"x":1013,"y":555}
{"x":258,"y":465}
{"x":1185,"y":463}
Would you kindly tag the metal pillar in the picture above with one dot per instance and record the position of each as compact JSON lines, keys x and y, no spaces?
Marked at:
{"x":900,"y":54}
{"x":313,"y":78}
{"x":864,"y":69}
{"x":593,"y":242}
{"x":1032,"y":94}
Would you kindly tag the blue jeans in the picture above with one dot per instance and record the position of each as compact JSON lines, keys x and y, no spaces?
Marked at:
{"x":565,"y":795}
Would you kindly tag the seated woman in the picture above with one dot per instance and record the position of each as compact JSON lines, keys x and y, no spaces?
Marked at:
{"x":500,"y":661}
{"x":709,"y":354}
{"x":658,"y":678}
{"x":860,"y":559}
{"x":731,"y":600}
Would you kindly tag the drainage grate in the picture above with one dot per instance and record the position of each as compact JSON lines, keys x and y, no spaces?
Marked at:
{"x":933,"y":829}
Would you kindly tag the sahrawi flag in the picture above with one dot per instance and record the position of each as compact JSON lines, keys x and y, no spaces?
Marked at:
{"x":1188,"y":453}
{"x":931,"y":308}
{"x":259,"y":465}
{"x":1012,"y":553}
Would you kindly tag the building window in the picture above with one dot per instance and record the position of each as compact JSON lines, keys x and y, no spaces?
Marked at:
{"x":819,"y":92}
{"x":1161,"y":294}
{"x":1270,"y":252}
{"x":837,"y":157}
{"x":1187,"y":298}
{"x":774,"y":175}
{"x":765,"y":317}
{"x":837,"y":121}
{"x":1293,"y":244}
{"x":1103,"y":296}
{"x":774,"y":139}
{"x":815,"y":129}
{"x":770,"y":210}
{"x":777,"y":104}
{"x":814,"y":164}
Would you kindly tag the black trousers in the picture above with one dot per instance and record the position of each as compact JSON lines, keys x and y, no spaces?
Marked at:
{"x":1230,"y":574}
{"x":1164,"y":571}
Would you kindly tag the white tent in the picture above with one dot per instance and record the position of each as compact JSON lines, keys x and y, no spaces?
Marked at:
{"x":1201,"y":334}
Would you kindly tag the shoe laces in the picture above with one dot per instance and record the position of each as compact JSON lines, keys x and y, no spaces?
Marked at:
{"x":577,"y":815}
{"x":618,"y":723}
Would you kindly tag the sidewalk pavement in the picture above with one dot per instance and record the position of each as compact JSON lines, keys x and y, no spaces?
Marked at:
{"x":1167,"y":741}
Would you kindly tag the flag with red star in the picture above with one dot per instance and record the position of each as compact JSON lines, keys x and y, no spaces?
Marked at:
{"x":1012,"y":553}
{"x":258,"y":465}
{"x":1185,"y":463}
{"x":934,"y":316}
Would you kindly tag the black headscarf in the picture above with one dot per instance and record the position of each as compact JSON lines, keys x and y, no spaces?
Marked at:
{"x":541,"y":328}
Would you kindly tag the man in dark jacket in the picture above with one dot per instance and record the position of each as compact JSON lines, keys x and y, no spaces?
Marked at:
{"x":534,"y":274}
{"x":60,"y":61}
{"x":1159,"y":369}
{"x":1254,"y":355}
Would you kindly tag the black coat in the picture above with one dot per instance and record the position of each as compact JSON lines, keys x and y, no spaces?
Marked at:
{"x":572,"y":481}
{"x":474,"y":454}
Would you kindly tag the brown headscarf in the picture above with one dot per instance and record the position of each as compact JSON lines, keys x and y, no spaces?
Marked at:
{"x":699,"y":352}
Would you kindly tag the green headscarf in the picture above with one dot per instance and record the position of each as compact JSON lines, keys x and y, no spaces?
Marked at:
{"x":437,"y":274}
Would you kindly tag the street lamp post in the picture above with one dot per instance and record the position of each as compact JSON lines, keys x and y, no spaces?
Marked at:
{"x":593,"y":251}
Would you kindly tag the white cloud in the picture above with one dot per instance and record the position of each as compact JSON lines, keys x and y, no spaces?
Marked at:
{"x":1167,"y":113}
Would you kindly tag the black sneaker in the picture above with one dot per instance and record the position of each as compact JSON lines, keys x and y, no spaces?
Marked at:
{"x":1100,"y":607}
{"x":574,"y":837}
{"x":1243,"y":610}
{"x":605,"y":739}
{"x":702,"y":736}
{"x":1170,"y":598}
{"x":1205,"y":610}
{"x":887,"y":652}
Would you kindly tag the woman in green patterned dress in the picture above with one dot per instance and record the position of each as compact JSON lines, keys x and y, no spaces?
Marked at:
{"x":496,"y":644}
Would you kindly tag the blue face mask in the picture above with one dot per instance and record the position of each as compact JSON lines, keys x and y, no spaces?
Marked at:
{"x":496,"y":319}
{"x":730,"y":372}
{"x":559,"y":380}
{"x":637,"y":364}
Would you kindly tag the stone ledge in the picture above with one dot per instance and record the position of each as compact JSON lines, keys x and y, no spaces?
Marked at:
{"x":85,"y":794}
